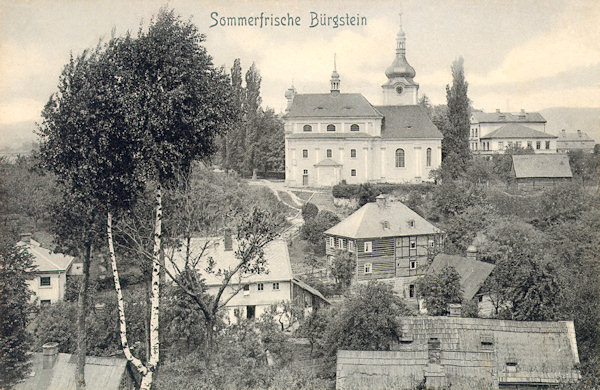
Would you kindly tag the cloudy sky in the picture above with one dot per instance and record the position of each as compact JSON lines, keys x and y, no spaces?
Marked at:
{"x":517,"y":54}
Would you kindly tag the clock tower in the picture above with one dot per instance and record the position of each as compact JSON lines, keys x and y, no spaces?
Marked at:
{"x":400,"y":89}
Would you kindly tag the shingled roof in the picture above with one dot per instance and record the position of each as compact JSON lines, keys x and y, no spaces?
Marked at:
{"x":45,"y":260}
{"x":368,"y":222}
{"x":331,"y":105}
{"x":472,"y":353}
{"x":541,"y":166}
{"x":494,"y":117}
{"x":515,"y":130}
{"x":407,"y":122}
{"x":472,"y":272}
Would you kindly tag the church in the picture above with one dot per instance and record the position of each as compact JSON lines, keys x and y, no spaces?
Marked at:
{"x":334,"y":137}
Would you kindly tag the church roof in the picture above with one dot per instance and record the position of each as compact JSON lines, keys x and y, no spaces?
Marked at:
{"x":541,"y":165}
{"x":514,"y":130}
{"x":369,"y":222}
{"x":494,"y":117}
{"x":331,"y":105}
{"x":407,"y":122}
{"x":328,"y":135}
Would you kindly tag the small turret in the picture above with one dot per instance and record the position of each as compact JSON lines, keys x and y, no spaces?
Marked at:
{"x":335,"y":78}
{"x":289,"y":96}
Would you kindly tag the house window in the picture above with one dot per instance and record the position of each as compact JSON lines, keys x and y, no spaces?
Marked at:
{"x":385,"y":224}
{"x":44,"y":281}
{"x":330,"y":127}
{"x":276,"y":286}
{"x":351,"y":246}
{"x":487,"y":342}
{"x":529,"y":144}
{"x":353,"y":172}
{"x":500,"y":145}
{"x":412,"y":265}
{"x":399,"y":158}
{"x":510,"y":144}
{"x":475,"y":132}
{"x":413,"y":243}
{"x":411,"y":290}
{"x":250,"y":311}
{"x":354,"y":127}
{"x":368,"y":246}
{"x":307,"y":128}
{"x":305,"y":172}
{"x":538,"y":145}
{"x":428,"y":162}
{"x":368,"y":268}
{"x":332,"y":242}
{"x":45,"y":302}
{"x":329,"y":153}
{"x":411,"y":223}
{"x":353,"y":153}
{"x":246,"y":287}
{"x":518,"y":144}
{"x":304,"y":153}
{"x":341,"y":243}
{"x":432,"y":243}
{"x":260,"y":287}
{"x":511,"y":366}
{"x":547,"y":144}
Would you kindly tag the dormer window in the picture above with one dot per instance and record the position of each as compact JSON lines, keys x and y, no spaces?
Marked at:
{"x":307,"y":128}
{"x":487,"y":342}
{"x":511,"y":366}
{"x":354,"y":127}
{"x":330,"y":127}
{"x":411,"y":223}
{"x":385,"y":224}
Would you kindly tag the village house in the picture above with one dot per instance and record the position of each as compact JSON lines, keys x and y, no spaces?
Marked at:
{"x":51,"y":370}
{"x":253,"y":294}
{"x":389,"y":241}
{"x":51,"y":271}
{"x":539,"y":171}
{"x":333,"y":137}
{"x":494,"y":132}
{"x":466,"y":353}
{"x":579,"y":140}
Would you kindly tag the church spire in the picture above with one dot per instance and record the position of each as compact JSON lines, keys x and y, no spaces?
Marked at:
{"x":400,"y":67}
{"x":335,"y":78}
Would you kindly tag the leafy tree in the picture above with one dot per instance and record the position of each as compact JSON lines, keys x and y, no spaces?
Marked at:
{"x":343,"y":267}
{"x":464,"y":227}
{"x":15,"y":265}
{"x":365,"y":194}
{"x":511,"y":237}
{"x":452,"y":197}
{"x":309,"y":211}
{"x":313,"y":229}
{"x":425,"y":103}
{"x":313,"y":328}
{"x":440,"y":289}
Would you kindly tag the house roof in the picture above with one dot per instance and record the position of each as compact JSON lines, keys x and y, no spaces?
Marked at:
{"x":368,"y":222}
{"x":473,"y":273}
{"x":544,"y":353}
{"x":576,"y":136}
{"x":277,"y":261}
{"x":541,"y":165}
{"x":327,"y":163}
{"x":101,"y":373}
{"x":310,"y":289}
{"x":407,"y":122}
{"x":328,"y":135}
{"x":494,"y":117}
{"x":515,"y":130}
{"x":46,"y":260}
{"x":331,"y":105}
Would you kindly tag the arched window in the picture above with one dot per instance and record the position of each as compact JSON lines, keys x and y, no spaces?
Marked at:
{"x":307,"y":128}
{"x":399,"y":158}
{"x":428,"y":157}
{"x":330,"y":127}
{"x":329,"y":153}
{"x":354,"y":127}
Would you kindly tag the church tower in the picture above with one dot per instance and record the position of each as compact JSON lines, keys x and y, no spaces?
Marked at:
{"x":400,"y":89}
{"x":335,"y":79}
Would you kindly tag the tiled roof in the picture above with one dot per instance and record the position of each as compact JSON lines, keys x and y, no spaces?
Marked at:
{"x":275,"y":254}
{"x":472,"y":272}
{"x":101,"y":373}
{"x":327,"y":163}
{"x":368,"y":222}
{"x":474,"y":353}
{"x":494,"y":117}
{"x":514,"y":130}
{"x":407,"y":122}
{"x":46,"y":260}
{"x":541,"y":165}
{"x":331,"y":105}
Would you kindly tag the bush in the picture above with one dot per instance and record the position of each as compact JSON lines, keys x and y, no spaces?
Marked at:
{"x":313,"y":229}
{"x":309,"y":211}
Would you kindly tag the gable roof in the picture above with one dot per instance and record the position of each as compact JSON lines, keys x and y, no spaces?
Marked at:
{"x":407,"y":122}
{"x":101,"y":373}
{"x":46,"y":260}
{"x":515,"y":130}
{"x":277,"y":261}
{"x":579,"y":136}
{"x":473,"y":273}
{"x":327,"y":163}
{"x":368,"y":222}
{"x":544,"y":353}
{"x":541,"y":165}
{"x":494,"y":117}
{"x":331,"y":105}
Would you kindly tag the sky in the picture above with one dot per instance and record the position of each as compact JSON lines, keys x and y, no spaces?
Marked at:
{"x":517,"y":54}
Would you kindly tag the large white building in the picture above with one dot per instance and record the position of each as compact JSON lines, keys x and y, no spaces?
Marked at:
{"x":330,"y":137}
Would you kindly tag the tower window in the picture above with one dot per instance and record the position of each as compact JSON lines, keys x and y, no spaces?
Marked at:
{"x":330,"y":127}
{"x":399,"y":158}
{"x":411,"y":291}
{"x":307,"y":128}
{"x":354,"y":128}
{"x":329,"y":153}
{"x":428,"y":157}
{"x":305,"y":153}
{"x":353,"y":153}
{"x":399,"y":89}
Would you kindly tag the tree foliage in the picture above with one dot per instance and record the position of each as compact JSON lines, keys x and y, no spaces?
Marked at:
{"x":343,"y":266}
{"x":313,"y":229}
{"x":440,"y":289}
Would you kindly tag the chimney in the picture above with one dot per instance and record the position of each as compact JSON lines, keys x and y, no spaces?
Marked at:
{"x":472,"y":252}
{"x":50,"y":353}
{"x":25,"y":237}
{"x":227,"y":240}
{"x":381,"y":200}
{"x":454,"y":309}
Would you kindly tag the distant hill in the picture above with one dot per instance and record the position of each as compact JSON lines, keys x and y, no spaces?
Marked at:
{"x":573,"y":119}
{"x":17,"y":137}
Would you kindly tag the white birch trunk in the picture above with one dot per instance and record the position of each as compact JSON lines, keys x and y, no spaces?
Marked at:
{"x":155,"y":285}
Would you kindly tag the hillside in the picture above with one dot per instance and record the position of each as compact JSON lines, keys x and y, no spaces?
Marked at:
{"x":572,"y":119}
